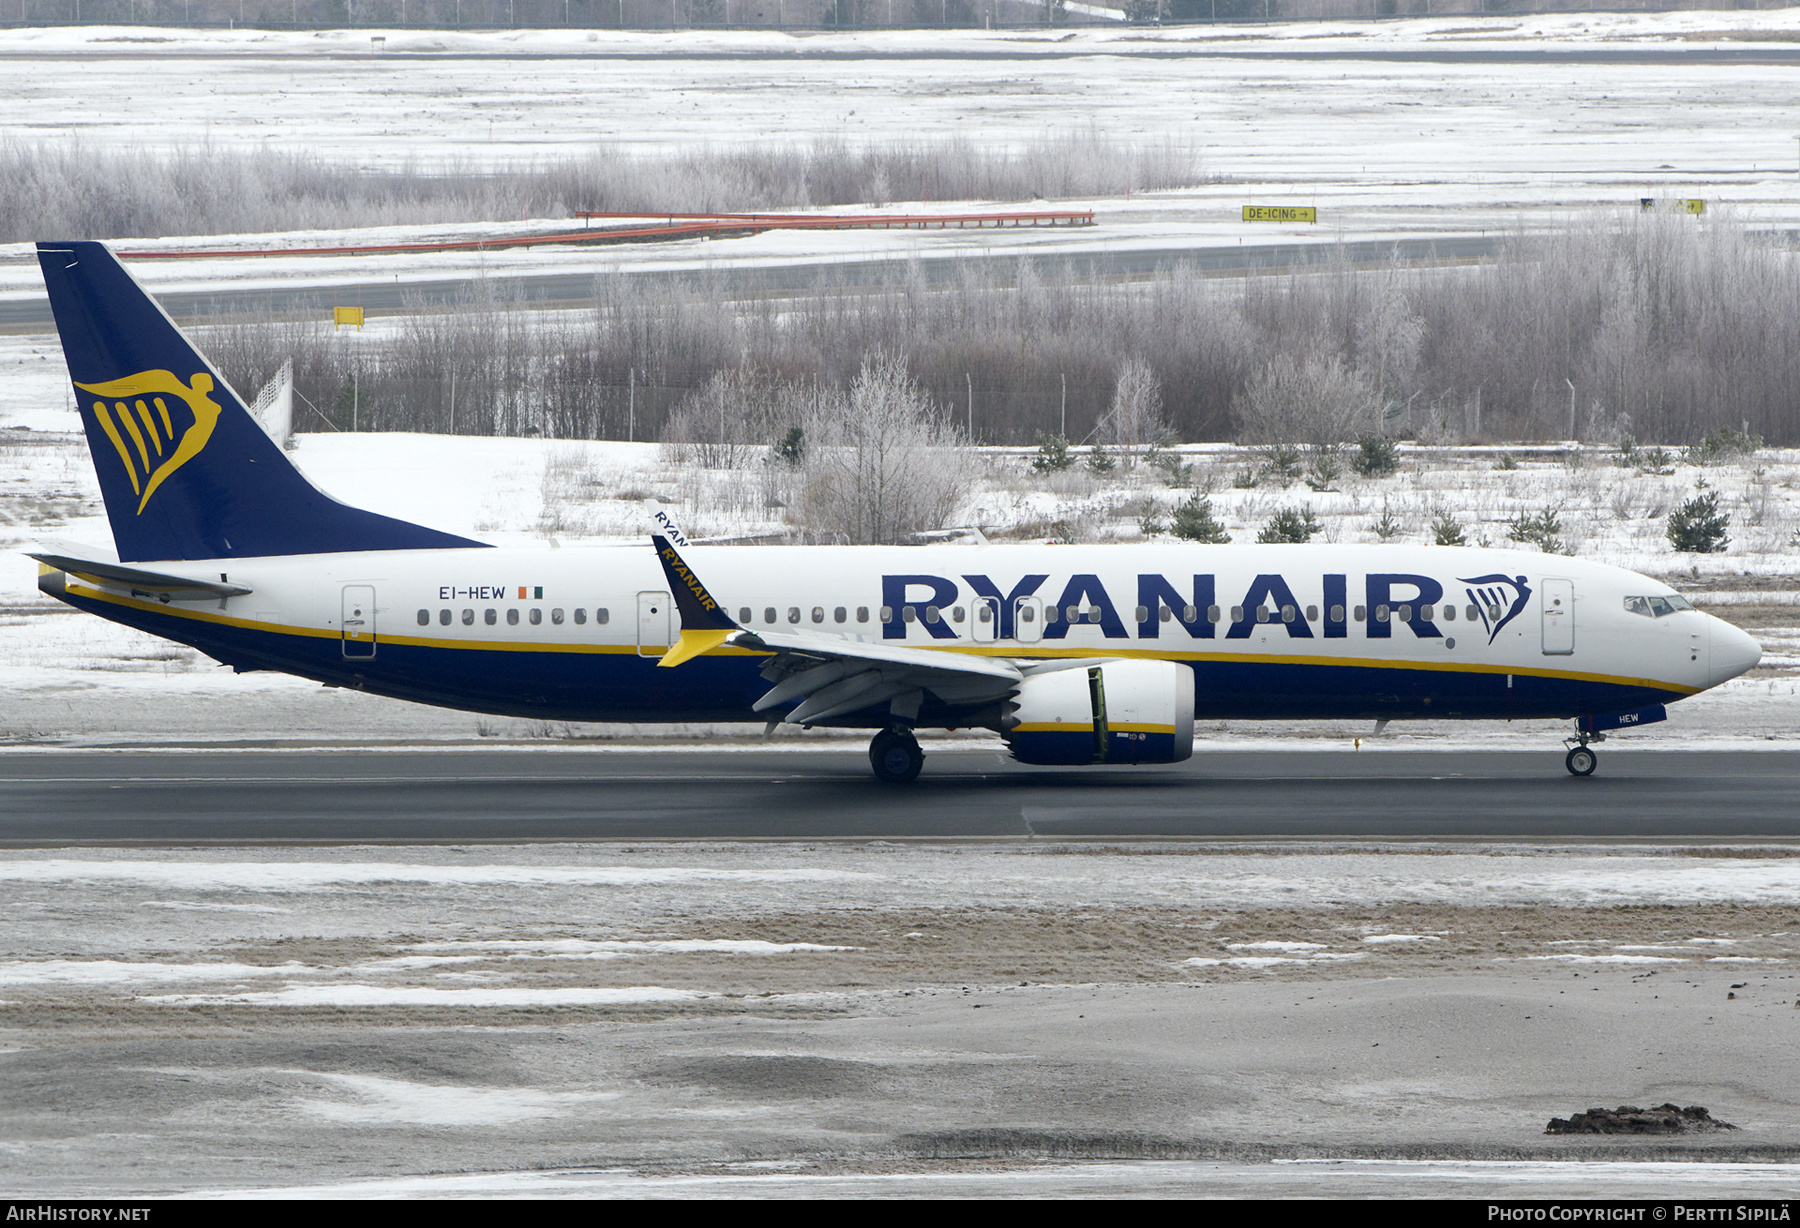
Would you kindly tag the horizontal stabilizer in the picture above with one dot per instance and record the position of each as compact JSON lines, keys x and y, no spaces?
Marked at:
{"x":141,"y":582}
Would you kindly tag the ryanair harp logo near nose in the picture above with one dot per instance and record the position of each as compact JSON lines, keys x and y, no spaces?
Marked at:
{"x":153,"y":436}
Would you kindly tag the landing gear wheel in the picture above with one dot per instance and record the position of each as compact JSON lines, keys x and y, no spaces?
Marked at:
{"x":1581,"y":761}
{"x":895,"y":756}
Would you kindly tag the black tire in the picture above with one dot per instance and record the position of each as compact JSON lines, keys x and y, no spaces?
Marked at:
{"x":896,"y":757}
{"x":1581,"y":761}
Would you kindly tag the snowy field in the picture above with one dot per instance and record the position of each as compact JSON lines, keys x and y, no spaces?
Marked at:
{"x":854,"y":1018}
{"x":1385,"y":148}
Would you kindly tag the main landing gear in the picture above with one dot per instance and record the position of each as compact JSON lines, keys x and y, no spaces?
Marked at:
{"x":895,"y":756}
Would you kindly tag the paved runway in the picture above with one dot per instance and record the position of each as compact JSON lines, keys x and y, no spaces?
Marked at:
{"x":346,"y":796}
{"x":552,"y":290}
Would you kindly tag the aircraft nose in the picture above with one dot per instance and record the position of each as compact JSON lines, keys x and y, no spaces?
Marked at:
{"x":1733,"y":652}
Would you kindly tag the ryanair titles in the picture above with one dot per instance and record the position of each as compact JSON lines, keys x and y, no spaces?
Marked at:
{"x":1193,"y":607}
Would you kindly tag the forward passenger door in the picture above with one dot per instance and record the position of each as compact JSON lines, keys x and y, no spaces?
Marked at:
{"x":1559,"y":617}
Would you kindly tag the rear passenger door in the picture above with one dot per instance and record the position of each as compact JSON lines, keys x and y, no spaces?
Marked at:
{"x":358,"y":623}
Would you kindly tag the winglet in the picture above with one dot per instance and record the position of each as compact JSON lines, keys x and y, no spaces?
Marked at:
{"x":704,"y":623}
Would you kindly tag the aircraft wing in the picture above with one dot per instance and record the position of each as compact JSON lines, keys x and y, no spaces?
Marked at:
{"x":830,"y":675}
{"x":834,"y":676}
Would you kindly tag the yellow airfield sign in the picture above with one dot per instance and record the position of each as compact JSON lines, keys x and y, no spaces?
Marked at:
{"x":1280,"y":213}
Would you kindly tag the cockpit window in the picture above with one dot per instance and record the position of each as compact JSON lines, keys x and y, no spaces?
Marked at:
{"x":1656,"y":607}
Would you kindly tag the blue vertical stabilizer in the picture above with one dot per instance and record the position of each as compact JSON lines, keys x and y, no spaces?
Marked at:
{"x":185,"y":470}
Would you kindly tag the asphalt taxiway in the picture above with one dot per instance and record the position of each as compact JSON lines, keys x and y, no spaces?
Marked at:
{"x":480,"y":794}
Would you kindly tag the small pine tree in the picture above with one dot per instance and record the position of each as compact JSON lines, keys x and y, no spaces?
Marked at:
{"x":1542,"y":530}
{"x":1325,"y":469}
{"x":1377,"y":456}
{"x":791,"y":451}
{"x":1289,"y":527}
{"x":1100,"y":461}
{"x":1387,"y":528}
{"x":1447,"y":530}
{"x":1194,"y":521}
{"x":1698,"y":526}
{"x":1281,"y":462}
{"x":1052,"y":456}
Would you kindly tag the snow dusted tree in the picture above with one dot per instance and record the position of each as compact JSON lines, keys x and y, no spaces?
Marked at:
{"x":881,"y":463}
{"x":1314,"y":401}
{"x":1135,"y":419}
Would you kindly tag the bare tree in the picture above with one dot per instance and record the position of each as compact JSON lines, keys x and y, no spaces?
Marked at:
{"x":1314,"y":401}
{"x":1135,"y":419}
{"x":881,"y":462}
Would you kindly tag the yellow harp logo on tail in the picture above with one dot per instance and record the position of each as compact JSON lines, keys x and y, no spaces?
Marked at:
{"x":153,"y":437}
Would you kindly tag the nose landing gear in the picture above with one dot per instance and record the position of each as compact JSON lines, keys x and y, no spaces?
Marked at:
{"x":1581,"y":761}
{"x":895,"y":756}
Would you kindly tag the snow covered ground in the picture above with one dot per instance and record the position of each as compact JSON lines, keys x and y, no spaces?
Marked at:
{"x":862,"y":1017}
{"x":1385,"y":147}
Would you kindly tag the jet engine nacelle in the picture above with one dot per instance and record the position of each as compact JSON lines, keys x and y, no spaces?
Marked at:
{"x":1116,"y":712}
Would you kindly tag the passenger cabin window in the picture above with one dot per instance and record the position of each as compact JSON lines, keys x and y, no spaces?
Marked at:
{"x":1337,"y":613}
{"x":1027,"y":614}
{"x":537,"y":617}
{"x":580,"y":616}
{"x":444,"y":618}
{"x":887,"y":613}
{"x":424,"y":618}
{"x":1449,"y":611}
{"x":1471,"y":613}
{"x":1312,"y":613}
{"x":840,"y":615}
{"x":1382,"y":614}
{"x":769,"y":614}
{"x":793,"y":613}
{"x":603,"y":615}
{"x":468,"y":618}
{"x":1361,"y":613}
{"x":743,"y":613}
{"x":1212,"y":613}
{"x":1189,"y":613}
{"x":490,"y":617}
{"x":956,"y":614}
{"x":556,"y":617}
{"x":862,"y":613}
{"x":818,"y":614}
{"x":512,"y":618}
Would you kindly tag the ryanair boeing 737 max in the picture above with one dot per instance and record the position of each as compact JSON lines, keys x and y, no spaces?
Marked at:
{"x":1072,"y":654}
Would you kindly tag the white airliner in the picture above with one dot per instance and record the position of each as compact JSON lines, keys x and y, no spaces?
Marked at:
{"x":1071,"y":654}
